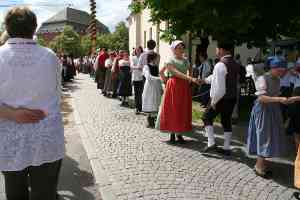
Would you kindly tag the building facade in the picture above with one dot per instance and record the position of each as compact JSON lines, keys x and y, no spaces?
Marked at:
{"x":77,"y":19}
{"x":141,"y":29}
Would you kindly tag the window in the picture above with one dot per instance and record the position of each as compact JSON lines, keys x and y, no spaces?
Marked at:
{"x":150,"y":33}
{"x":145,"y":39}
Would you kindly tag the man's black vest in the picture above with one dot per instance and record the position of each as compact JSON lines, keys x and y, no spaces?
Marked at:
{"x":232,"y":77}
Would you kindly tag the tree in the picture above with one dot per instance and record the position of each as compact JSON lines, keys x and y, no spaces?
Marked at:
{"x":249,"y":21}
{"x":118,"y":40}
{"x":121,"y":37}
{"x":68,"y":42}
{"x":41,"y":41}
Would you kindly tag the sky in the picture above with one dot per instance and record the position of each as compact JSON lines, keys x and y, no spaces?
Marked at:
{"x":109,"y":12}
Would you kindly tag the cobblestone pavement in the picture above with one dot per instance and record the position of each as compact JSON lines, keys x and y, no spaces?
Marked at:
{"x":133,"y":162}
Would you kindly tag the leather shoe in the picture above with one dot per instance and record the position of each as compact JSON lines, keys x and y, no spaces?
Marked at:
{"x":224,"y":152}
{"x":296,"y":195}
{"x":180,"y":139}
{"x":210,"y":149}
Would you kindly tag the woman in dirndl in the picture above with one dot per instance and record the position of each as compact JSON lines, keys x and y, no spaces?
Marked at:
{"x":108,"y":77}
{"x":152,"y":92}
{"x":176,"y":109}
{"x":266,"y":124}
{"x":125,"y":87}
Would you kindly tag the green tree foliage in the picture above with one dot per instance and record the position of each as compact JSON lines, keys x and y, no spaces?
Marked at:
{"x":41,"y":41}
{"x":68,"y":42}
{"x":118,"y":40}
{"x":247,"y":21}
{"x":86,"y":45}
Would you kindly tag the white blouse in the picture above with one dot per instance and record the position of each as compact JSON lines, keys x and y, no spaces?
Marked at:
{"x":30,"y":77}
{"x":218,"y":82}
{"x":137,"y":71}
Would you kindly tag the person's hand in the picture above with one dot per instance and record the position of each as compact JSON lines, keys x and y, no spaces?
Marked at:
{"x":196,"y":81}
{"x":24,"y":115}
{"x":292,"y":100}
{"x":283,"y":100}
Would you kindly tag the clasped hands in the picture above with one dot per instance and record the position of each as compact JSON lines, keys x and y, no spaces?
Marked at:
{"x":288,"y":100}
{"x":196,"y":81}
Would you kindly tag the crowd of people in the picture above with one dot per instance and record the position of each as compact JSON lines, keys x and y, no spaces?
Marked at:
{"x":32,"y":145}
{"x":169,"y":108}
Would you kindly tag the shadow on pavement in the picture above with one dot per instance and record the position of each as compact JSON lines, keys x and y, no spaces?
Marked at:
{"x":75,"y":183}
{"x":283,"y":170}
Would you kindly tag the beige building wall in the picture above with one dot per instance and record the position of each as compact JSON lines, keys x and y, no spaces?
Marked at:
{"x":141,"y":30}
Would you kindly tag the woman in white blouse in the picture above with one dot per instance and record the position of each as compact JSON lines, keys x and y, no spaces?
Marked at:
{"x":32,"y":136}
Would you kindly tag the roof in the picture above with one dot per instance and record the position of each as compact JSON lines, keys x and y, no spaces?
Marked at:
{"x":72,"y":15}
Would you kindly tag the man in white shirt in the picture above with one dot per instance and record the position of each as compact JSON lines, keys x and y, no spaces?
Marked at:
{"x":32,"y":143}
{"x":223,"y":96}
{"x":151,"y":44}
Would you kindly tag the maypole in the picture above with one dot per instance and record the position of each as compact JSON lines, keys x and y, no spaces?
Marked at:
{"x":93,"y":25}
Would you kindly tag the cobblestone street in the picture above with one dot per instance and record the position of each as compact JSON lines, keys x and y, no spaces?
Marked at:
{"x":132,"y":162}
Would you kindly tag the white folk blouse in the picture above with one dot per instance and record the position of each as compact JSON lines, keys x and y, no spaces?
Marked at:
{"x":30,"y":77}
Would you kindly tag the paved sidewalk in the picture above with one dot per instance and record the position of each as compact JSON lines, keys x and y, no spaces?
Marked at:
{"x":133,"y":162}
{"x":76,"y":181}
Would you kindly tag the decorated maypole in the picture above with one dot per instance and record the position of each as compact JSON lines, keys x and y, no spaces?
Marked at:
{"x":93,"y":25}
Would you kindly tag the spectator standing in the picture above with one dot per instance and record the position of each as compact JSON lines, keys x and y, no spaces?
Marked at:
{"x":31,"y":149}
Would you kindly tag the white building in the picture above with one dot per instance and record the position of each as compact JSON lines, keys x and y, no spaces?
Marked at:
{"x":141,"y":30}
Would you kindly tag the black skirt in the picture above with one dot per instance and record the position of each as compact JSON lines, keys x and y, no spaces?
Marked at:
{"x":125,"y":87}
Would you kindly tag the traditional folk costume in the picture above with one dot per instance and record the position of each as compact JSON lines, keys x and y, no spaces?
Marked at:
{"x":138,"y":82}
{"x":125,"y":88}
{"x":223,"y":94}
{"x":99,"y":66}
{"x":176,"y":108}
{"x":152,"y":92}
{"x":108,"y":79}
{"x":266,"y":123}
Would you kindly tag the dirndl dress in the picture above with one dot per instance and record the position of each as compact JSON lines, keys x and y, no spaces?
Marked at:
{"x":125,"y":87}
{"x":266,"y":129}
{"x":175,"y":115}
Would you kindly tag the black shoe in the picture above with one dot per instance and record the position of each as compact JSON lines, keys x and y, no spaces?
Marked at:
{"x":180,"y":139}
{"x":137,"y":112}
{"x":224,"y":152}
{"x":296,"y":195}
{"x":150,"y":121}
{"x":264,"y":174}
{"x":172,"y":138}
{"x":208,"y":149}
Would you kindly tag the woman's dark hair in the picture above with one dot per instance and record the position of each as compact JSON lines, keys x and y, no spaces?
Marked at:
{"x":140,"y":48}
{"x":20,"y":22}
{"x":151,"y":57}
